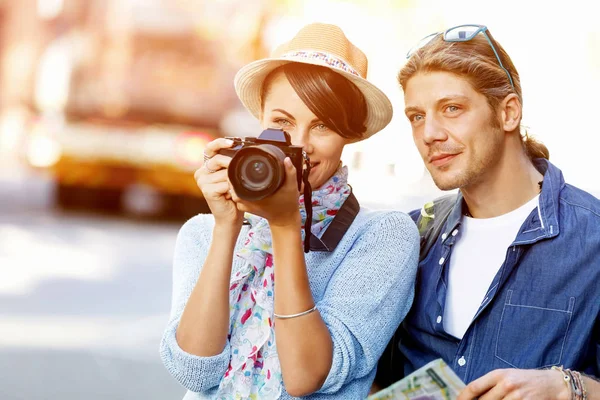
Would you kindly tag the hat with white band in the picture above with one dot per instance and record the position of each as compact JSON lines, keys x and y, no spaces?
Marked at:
{"x":327,"y":46}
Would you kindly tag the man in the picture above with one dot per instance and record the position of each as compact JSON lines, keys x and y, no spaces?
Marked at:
{"x":511,"y":285}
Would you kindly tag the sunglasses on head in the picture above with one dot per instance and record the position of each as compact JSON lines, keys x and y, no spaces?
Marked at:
{"x":462,"y":33}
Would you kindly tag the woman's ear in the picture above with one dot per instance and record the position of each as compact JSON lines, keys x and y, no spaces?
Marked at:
{"x":511,"y":112}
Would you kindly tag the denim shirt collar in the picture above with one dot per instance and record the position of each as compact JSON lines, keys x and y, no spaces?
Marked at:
{"x":541,"y":224}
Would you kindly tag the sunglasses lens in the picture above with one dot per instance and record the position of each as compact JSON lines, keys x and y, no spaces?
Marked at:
{"x":423,"y":42}
{"x":462,"y":33}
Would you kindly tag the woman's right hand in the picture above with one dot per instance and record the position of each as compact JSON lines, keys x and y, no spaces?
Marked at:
{"x":215,"y":185}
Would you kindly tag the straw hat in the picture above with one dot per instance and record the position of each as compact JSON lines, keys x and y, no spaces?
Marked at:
{"x":327,"y":46}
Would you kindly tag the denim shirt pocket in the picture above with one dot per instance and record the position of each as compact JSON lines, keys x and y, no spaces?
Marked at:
{"x":530,"y":336}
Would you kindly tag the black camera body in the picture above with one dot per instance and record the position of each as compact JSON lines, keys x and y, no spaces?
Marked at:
{"x":256,"y":170}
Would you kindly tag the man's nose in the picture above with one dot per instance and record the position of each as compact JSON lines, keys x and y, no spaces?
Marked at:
{"x":433,"y":130}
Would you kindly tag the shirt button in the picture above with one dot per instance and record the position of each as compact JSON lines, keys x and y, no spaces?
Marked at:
{"x":442,"y":260}
{"x":439,"y":319}
{"x":462,"y":361}
{"x":444,"y":236}
{"x":455,"y":232}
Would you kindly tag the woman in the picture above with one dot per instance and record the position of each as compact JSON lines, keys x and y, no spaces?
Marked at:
{"x":320,"y":330}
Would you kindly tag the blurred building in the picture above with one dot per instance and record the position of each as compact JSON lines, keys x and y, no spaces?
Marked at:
{"x":141,"y":85}
{"x":111,"y":96}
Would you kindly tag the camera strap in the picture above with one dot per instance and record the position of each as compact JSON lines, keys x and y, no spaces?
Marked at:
{"x":307,"y":203}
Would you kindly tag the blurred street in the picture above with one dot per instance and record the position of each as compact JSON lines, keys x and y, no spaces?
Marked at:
{"x":83,"y":299}
{"x":112,"y":103}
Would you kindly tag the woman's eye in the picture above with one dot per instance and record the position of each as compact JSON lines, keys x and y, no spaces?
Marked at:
{"x":320,"y":129}
{"x":282,"y":122}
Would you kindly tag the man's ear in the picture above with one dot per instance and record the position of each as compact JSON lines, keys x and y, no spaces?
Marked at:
{"x":510,"y":112}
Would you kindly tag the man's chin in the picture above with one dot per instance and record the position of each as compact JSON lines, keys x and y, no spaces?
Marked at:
{"x":445,"y":181}
{"x":443,"y":186}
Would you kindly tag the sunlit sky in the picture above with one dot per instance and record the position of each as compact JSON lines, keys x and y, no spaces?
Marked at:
{"x":555,"y":46}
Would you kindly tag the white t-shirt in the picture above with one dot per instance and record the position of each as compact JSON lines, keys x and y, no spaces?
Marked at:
{"x":478,"y":254}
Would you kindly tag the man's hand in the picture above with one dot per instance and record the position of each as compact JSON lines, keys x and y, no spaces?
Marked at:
{"x":517,"y":384}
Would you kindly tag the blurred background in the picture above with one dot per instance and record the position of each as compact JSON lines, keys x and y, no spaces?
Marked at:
{"x":105,"y":108}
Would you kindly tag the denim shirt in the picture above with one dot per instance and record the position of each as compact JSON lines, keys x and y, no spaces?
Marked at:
{"x":541,"y":309}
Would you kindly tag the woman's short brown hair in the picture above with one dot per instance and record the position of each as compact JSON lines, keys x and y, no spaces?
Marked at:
{"x":336,"y":101}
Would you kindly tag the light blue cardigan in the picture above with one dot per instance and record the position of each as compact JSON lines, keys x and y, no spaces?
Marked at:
{"x":362,"y":289}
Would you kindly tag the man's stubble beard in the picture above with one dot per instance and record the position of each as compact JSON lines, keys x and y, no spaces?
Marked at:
{"x":474,"y":171}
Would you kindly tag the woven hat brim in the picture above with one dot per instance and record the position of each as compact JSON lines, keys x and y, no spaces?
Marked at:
{"x":249,"y":80}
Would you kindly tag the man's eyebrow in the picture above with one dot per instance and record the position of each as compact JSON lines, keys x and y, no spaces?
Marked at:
{"x":453,"y":97}
{"x":445,"y":99}
{"x":411,"y":109}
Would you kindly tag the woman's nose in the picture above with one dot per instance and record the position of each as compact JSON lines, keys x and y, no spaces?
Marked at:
{"x":302,"y":138}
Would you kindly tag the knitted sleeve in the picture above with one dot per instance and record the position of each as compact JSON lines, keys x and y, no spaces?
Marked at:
{"x":368,"y":296}
{"x":197,"y":374}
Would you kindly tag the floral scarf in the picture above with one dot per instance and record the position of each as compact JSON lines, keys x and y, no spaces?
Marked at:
{"x":254,"y":371}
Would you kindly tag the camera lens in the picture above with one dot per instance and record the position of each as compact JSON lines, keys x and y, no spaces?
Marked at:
{"x":256,"y":172}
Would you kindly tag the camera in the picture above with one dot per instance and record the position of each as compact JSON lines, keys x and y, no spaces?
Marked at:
{"x":256,"y":170}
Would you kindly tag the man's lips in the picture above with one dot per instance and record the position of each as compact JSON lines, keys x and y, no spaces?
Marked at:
{"x":441,"y":158}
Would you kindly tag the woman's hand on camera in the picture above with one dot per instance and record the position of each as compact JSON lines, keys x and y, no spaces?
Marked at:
{"x":212,"y":180}
{"x":281,"y":208}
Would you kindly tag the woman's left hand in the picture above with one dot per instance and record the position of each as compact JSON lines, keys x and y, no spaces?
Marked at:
{"x":280,"y":208}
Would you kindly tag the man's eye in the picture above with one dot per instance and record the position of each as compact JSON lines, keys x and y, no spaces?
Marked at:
{"x":452,"y":108}
{"x":415,"y":118}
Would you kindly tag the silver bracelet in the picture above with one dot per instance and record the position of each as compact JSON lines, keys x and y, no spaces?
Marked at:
{"x":280,"y":316}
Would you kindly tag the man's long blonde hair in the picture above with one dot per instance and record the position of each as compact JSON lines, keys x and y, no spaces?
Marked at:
{"x":474,"y":60}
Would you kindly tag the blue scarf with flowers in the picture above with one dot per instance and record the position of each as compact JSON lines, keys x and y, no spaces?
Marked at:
{"x":254,"y":371}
